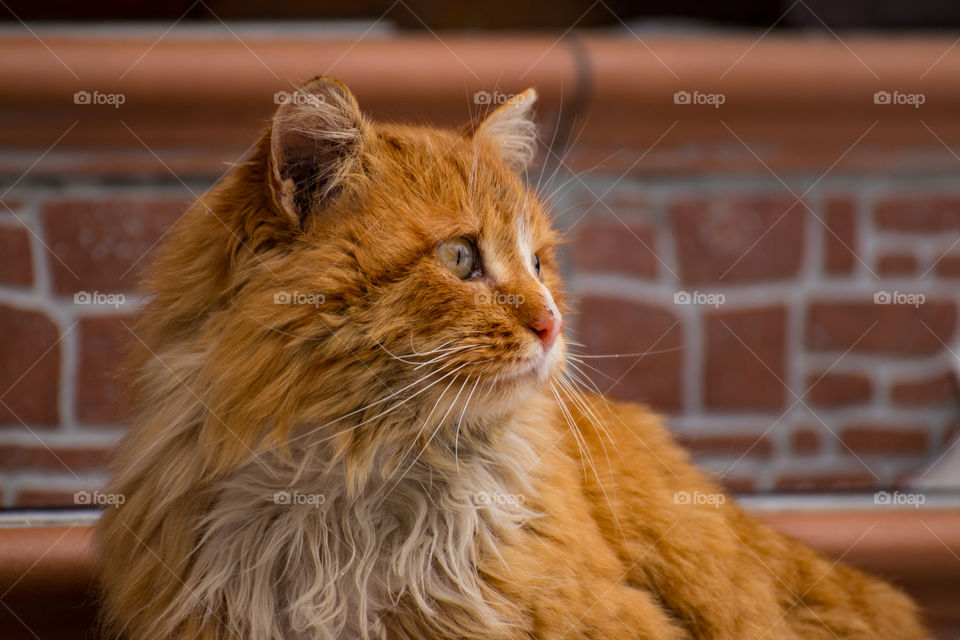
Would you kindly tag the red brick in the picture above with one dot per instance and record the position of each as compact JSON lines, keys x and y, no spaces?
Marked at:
{"x":948,"y":266}
{"x":628,"y":203}
{"x":897,"y":264}
{"x":56,"y":458}
{"x":876,"y":439}
{"x":740,"y":484}
{"x":722,"y":239}
{"x":15,"y":268}
{"x":726,"y":445}
{"x":624,"y":203}
{"x":940,"y":389}
{"x":103,"y":242}
{"x":950,"y":433}
{"x":103,"y":344}
{"x":611,"y":246}
{"x":837,"y":389}
{"x":805,"y":441}
{"x":44,"y":498}
{"x":898,"y":329}
{"x":839,"y":236}
{"x":609,"y":326}
{"x":29,"y":368}
{"x":745,"y":377}
{"x":827,"y":481}
{"x":921,"y":213}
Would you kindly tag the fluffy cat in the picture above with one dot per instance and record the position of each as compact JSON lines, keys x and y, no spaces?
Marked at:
{"x":354,"y":420}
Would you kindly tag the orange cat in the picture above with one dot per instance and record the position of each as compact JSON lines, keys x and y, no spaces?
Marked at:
{"x":355,"y":420}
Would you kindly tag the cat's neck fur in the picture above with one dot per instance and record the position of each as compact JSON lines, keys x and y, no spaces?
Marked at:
{"x":342,"y":551}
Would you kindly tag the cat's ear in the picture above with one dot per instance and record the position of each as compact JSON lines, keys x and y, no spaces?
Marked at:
{"x":316,"y":140}
{"x":511,"y":128}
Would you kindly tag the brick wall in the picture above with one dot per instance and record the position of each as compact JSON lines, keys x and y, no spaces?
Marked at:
{"x":70,"y":257}
{"x":796,"y":344}
{"x":767,"y":351}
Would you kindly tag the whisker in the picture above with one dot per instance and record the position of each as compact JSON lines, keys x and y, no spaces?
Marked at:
{"x":571,"y":424}
{"x":573,"y":361}
{"x":633,"y":355}
{"x":429,"y":440}
{"x":384,"y":399}
{"x":405,"y":357}
{"x":447,"y":355}
{"x":582,"y":405}
{"x":579,"y":376}
{"x":619,"y":421}
{"x":588,"y":411}
{"x":456,"y":440}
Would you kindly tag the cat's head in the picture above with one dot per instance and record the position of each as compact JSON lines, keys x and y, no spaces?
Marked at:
{"x":373,"y":261}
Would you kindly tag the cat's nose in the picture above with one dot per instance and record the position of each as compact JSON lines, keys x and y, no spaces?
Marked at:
{"x":547,"y":326}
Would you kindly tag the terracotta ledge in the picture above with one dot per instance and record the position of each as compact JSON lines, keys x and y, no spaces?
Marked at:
{"x":46,"y":572}
{"x":800,"y":103}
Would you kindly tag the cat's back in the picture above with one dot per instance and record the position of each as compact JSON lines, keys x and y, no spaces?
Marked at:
{"x":677,"y":535}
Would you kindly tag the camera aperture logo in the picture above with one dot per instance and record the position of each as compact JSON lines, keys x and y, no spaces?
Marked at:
{"x":295,"y":497}
{"x":696,"y":97}
{"x":496,"y":97}
{"x":98,"y":499}
{"x":699,"y":297}
{"x":898,"y":499}
{"x":897,"y":97}
{"x":898,"y":297}
{"x":710,"y":499}
{"x":114,"y":300}
{"x":514,"y":300}
{"x":297,"y":297}
{"x":112,"y":99}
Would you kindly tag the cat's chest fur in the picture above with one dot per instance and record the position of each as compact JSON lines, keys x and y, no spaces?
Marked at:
{"x":317,"y":557}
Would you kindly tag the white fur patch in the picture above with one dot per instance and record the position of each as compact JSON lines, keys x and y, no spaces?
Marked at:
{"x":324,"y":560}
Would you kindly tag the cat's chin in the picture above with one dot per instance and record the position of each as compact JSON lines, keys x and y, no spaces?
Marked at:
{"x":533,"y":372}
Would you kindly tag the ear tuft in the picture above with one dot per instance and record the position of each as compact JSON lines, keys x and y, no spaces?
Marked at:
{"x":512,"y":129}
{"x":316,"y":140}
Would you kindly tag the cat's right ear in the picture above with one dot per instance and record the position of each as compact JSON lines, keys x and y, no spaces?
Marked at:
{"x":316,"y":140}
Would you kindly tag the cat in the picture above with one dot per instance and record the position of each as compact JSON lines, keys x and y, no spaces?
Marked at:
{"x":355,"y":419}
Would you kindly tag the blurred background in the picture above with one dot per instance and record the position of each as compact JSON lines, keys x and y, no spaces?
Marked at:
{"x":760,"y":198}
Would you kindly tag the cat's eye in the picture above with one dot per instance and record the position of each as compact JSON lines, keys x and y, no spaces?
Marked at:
{"x":536,"y":264}
{"x":460,"y":256}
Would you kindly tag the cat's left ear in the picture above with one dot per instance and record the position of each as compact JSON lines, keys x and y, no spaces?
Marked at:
{"x":316,"y":142}
{"x":511,"y":128}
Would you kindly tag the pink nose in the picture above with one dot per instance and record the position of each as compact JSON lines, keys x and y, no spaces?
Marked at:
{"x":547,"y":327}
